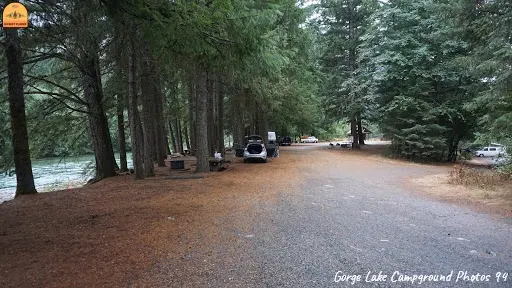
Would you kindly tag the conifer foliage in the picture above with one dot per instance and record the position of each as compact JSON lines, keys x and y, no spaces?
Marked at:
{"x":153,"y":77}
{"x":432,"y":74}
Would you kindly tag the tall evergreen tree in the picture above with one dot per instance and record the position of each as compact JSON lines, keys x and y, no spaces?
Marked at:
{"x":410,"y":55}
{"x":343,"y":24}
{"x":486,"y":25}
{"x":23,"y":165}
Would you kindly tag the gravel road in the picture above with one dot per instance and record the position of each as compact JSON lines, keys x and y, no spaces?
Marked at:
{"x":352,"y":218}
{"x":313,"y":217}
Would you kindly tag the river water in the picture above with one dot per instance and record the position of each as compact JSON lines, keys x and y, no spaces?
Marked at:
{"x":52,"y":174}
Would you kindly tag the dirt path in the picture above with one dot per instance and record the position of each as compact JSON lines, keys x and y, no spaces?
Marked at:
{"x":217,"y":231}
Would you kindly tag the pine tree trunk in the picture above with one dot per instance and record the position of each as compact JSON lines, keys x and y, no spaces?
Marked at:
{"x":256,"y":117}
{"x":121,"y":133}
{"x":180,"y":134}
{"x":187,"y":142}
{"x":148,"y":115}
{"x":89,"y":67}
{"x":238,"y":119}
{"x":353,"y":132}
{"x":352,"y":66}
{"x":177,"y":137}
{"x":254,"y":129}
{"x":262,"y":124}
{"x":22,"y":162}
{"x":191,"y":117}
{"x":160,"y":133}
{"x":215,"y":117}
{"x":160,"y":148}
{"x":360,"y":133}
{"x":210,"y":119}
{"x":122,"y":67}
{"x":173,"y":138}
{"x":220,"y":119}
{"x":453,"y":147}
{"x":155,"y":143}
{"x":98,"y":123}
{"x":167,"y":144}
{"x":202,"y":123}
{"x":135,"y":126}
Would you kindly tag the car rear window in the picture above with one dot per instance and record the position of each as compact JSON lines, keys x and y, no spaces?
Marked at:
{"x":254,"y":148}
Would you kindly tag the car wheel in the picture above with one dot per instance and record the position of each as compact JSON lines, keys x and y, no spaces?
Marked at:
{"x":481,"y":155}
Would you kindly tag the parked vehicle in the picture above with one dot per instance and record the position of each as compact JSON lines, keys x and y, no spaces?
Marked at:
{"x":286,"y":141}
{"x":255,"y":150}
{"x":271,"y":145}
{"x":253,"y":138}
{"x":310,"y":139}
{"x":490,"y":152}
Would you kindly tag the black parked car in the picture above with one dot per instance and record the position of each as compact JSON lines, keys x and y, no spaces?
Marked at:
{"x":286,"y":141}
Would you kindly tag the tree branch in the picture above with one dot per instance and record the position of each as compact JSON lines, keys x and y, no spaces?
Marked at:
{"x":58,"y":97}
{"x":71,"y":93}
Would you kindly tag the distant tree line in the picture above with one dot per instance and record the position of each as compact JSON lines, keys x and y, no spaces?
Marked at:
{"x":433,"y":74}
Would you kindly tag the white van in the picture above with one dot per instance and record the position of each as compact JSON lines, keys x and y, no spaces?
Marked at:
{"x":490,"y":152}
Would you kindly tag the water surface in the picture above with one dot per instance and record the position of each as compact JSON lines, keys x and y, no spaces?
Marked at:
{"x":55,"y":173}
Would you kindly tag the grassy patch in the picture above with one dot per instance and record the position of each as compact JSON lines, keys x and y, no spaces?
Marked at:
{"x":483,"y":189}
{"x":467,"y":176}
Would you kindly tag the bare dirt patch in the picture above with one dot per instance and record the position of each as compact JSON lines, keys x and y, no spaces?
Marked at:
{"x":491,"y":198}
{"x":115,"y":232}
{"x":479,"y":188}
{"x":376,"y":153}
